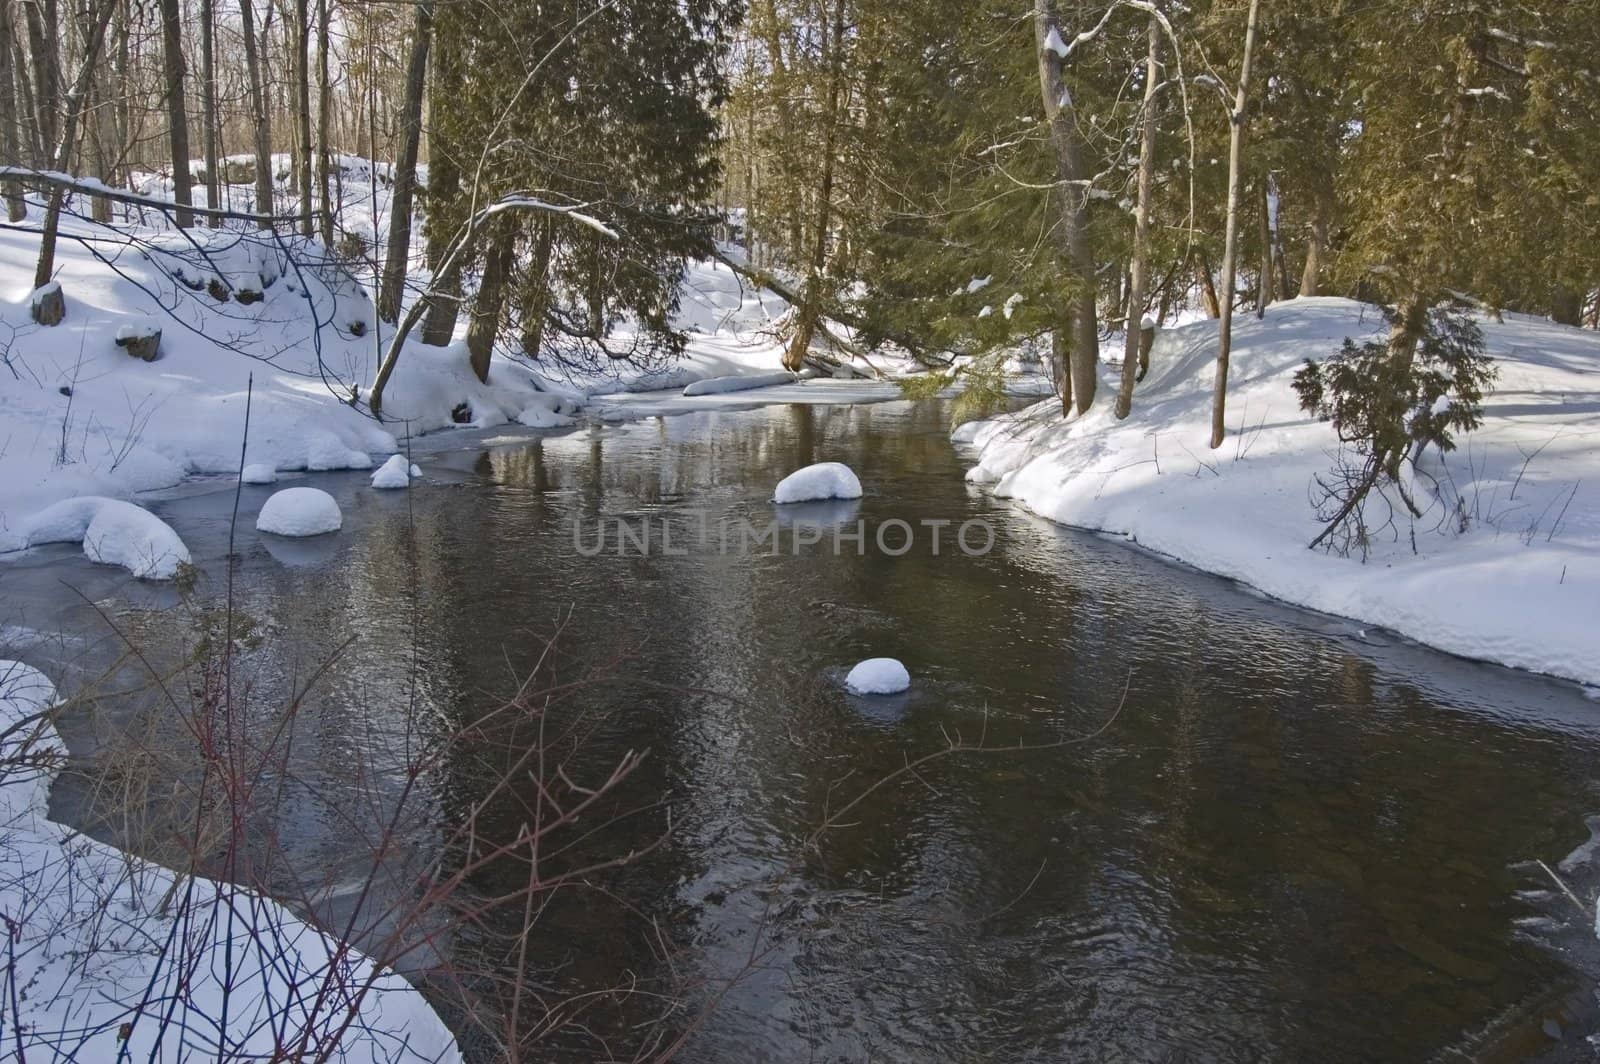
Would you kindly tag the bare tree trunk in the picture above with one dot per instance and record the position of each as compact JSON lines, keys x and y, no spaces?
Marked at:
{"x":302,"y":110}
{"x":208,"y":106}
{"x":259,"y":115}
{"x":536,"y":289}
{"x":1264,"y":294}
{"x":1083,"y":343}
{"x":1230,"y":254}
{"x":486,"y":308}
{"x":405,"y":169}
{"x":1316,"y":245}
{"x":444,"y":188}
{"x":174,"y":71}
{"x":1132,"y":362}
{"x":324,"y":119}
{"x":28,"y":113}
{"x":10,"y":142}
{"x":811,"y":308}
{"x":95,"y":34}
{"x":1208,"y":288}
{"x":46,"y":62}
{"x":1566,"y":305}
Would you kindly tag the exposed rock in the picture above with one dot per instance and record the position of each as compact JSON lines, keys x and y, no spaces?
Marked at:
{"x":246,"y":296}
{"x":140,"y":341}
{"x":49,"y":305}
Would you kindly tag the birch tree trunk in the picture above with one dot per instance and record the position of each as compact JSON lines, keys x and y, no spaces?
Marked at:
{"x":1081,"y":345}
{"x":1140,"y":267}
{"x":396,"y":256}
{"x":174,"y":71}
{"x":1230,"y":254}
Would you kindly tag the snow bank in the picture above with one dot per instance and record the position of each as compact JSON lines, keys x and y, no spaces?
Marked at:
{"x":741,"y":383}
{"x":825,"y":480}
{"x":1515,"y":582}
{"x":112,"y":533}
{"x":111,"y":955}
{"x":878,"y":676}
{"x":300,"y":512}
{"x":395,"y":473}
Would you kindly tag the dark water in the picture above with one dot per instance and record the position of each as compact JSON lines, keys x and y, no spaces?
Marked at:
{"x":1295,"y":841}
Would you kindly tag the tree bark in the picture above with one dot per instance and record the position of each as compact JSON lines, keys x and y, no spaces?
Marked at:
{"x":490,"y":301}
{"x":46,"y":63}
{"x":1230,"y":254}
{"x":174,"y":71}
{"x":1132,"y":362}
{"x":208,"y":107}
{"x":811,"y":307}
{"x":1082,"y":345}
{"x":1566,"y":305}
{"x":258,"y":112}
{"x":444,"y":190}
{"x":405,"y":169}
{"x":536,"y":289}
{"x":1264,"y":283}
{"x":95,"y":36}
{"x":325,"y":217}
{"x":10,"y":141}
{"x":302,"y":114}
{"x":1316,"y":245}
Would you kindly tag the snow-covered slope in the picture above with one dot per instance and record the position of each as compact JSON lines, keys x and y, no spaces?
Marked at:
{"x":1519,"y":585}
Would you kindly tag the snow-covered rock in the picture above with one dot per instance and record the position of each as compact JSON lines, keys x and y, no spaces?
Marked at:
{"x":300,"y":512}
{"x":741,"y":383}
{"x":113,"y":533}
{"x":878,"y":676}
{"x":258,"y":473}
{"x":395,"y":473}
{"x":825,"y":480}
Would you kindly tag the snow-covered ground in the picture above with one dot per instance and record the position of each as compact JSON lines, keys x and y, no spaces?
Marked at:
{"x":78,"y":416}
{"x":1506,"y":565}
{"x":110,"y":957}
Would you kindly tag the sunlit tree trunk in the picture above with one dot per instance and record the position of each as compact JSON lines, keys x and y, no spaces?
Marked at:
{"x":1082,"y":342}
{"x":1230,"y":254}
{"x":490,"y":300}
{"x":212,"y":130}
{"x":259,"y":115}
{"x":1139,"y":269}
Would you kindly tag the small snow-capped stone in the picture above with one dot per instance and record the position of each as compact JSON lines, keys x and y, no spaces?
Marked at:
{"x":825,"y":480}
{"x":300,"y":512}
{"x":878,"y":676}
{"x":395,"y":473}
{"x":258,"y":473}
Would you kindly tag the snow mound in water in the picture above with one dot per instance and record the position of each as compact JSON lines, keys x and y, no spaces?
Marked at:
{"x":825,"y":480}
{"x":300,"y":512}
{"x":878,"y":676}
{"x":737,"y":383}
{"x":258,"y":473}
{"x":395,"y":473}
{"x":113,"y":533}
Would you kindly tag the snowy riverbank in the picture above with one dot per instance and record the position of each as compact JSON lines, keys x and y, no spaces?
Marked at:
{"x":110,"y":954}
{"x":1517,"y":582}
